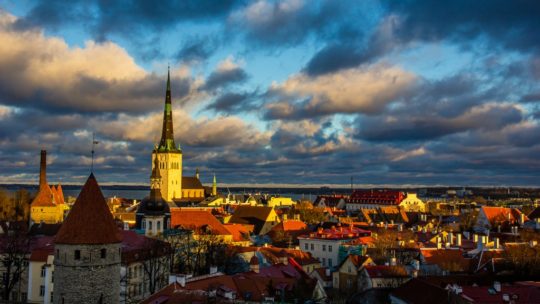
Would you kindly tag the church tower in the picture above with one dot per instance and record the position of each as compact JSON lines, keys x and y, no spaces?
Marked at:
{"x":88,"y":252}
{"x":167,"y":156}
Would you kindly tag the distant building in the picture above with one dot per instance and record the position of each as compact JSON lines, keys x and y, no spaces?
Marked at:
{"x":372,"y":199}
{"x":48,"y":206}
{"x":324,"y":244}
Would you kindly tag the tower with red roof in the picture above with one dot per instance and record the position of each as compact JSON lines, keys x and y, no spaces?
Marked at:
{"x":88,"y":251}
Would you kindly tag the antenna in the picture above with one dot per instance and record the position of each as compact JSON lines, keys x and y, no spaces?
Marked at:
{"x":94,"y":142}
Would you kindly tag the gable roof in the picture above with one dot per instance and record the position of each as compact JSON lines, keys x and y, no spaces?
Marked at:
{"x":253,"y":215}
{"x":197,"y":219}
{"x":501,"y":214}
{"x":191,"y":182}
{"x":89,"y":221}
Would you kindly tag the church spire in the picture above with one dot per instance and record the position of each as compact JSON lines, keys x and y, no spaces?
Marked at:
{"x":167,"y":137}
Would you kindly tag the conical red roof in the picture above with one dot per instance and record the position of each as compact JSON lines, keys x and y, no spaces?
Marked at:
{"x":89,"y":221}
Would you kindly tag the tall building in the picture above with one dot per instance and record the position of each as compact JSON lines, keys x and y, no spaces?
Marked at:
{"x":48,"y":206}
{"x":88,"y":251}
{"x":167,"y":155}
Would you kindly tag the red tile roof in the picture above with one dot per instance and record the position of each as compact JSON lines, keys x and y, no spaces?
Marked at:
{"x":338,"y":233}
{"x":378,"y":197}
{"x":196,"y":220}
{"x":89,"y":221}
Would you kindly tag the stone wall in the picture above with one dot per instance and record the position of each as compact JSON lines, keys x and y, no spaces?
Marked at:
{"x":89,"y":279}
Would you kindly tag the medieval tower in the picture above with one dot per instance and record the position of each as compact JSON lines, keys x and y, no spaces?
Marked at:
{"x":167,"y":156}
{"x":88,"y":252}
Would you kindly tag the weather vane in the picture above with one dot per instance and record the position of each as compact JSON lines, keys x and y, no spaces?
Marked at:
{"x":94,"y":143}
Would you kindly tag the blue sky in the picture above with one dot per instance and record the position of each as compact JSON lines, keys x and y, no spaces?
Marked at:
{"x":274,"y":92}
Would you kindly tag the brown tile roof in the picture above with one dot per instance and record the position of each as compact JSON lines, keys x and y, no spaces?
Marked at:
{"x":383,"y":271}
{"x":191,"y":182}
{"x":196,"y":220}
{"x":447,"y":259}
{"x":89,"y":221}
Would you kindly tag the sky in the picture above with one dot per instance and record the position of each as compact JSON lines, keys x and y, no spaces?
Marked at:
{"x":391,"y":93}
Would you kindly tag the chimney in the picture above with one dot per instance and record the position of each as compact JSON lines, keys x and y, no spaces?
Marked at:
{"x":450,"y":237}
{"x":458,"y":239}
{"x":254,"y":264}
{"x":439,"y":242}
{"x":43,"y":169}
{"x":497,"y":286}
{"x":172,"y":278}
{"x":496,"y":243}
{"x":181,"y":280}
{"x":521,"y":219}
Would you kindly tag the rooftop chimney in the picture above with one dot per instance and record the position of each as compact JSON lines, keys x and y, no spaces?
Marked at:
{"x":43,"y":169}
{"x":458,"y":239}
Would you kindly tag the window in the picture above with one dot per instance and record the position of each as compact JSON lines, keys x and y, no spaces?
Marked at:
{"x":52,"y":277}
{"x":57,"y":253}
{"x":24,"y":297}
{"x":312,"y":247}
{"x":329,"y":262}
{"x":323,"y":247}
{"x":51,"y":296}
{"x":149,"y":225}
{"x":329,"y":248}
{"x":41,"y":291}
{"x":306,"y":246}
{"x":77,"y":254}
{"x":158,"y":224}
{"x":103,"y":253}
{"x":324,"y":261}
{"x":43,"y":271}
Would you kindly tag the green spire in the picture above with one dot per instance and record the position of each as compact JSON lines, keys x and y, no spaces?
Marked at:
{"x":166,"y":143}
{"x":168,"y":79}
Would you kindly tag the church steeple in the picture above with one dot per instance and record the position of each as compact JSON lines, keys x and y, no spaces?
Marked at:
{"x":167,"y":137}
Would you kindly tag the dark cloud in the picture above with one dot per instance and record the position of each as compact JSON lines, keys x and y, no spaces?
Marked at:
{"x":512,"y":26}
{"x":197,"y":49}
{"x":221,"y":78}
{"x":124,"y":17}
{"x":233,"y":102}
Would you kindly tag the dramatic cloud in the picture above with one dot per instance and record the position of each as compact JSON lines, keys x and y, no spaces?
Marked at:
{"x":367,"y":90}
{"x":227,"y":72}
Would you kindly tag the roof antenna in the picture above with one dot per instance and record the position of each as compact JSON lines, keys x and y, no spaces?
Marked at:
{"x":94,"y":142}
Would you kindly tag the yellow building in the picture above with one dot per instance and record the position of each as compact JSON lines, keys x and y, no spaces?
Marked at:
{"x":412,"y":203}
{"x":48,"y":206}
{"x":280,"y":201}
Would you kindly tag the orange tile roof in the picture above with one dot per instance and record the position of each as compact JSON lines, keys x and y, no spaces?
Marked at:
{"x":501,"y":214}
{"x":196,"y":219}
{"x":44,"y":197}
{"x":290,"y":225}
{"x":89,"y":221}
{"x":240,"y":232}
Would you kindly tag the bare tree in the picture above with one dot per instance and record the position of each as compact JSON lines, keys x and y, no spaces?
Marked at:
{"x":14,"y":252}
